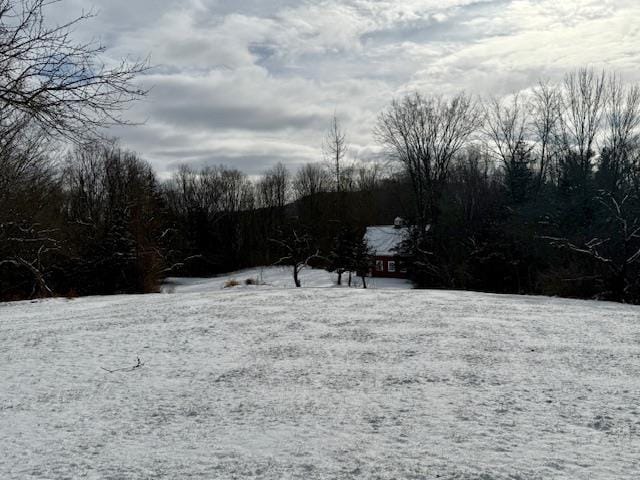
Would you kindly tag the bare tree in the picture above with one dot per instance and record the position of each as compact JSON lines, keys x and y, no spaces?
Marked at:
{"x":424,"y":134}
{"x":601,"y":109}
{"x":62,"y":85}
{"x":583,"y":101}
{"x":622,"y":138}
{"x":210,"y":208}
{"x":310,"y":180}
{"x":50,"y":86}
{"x":471,"y":184}
{"x":24,"y":158}
{"x":334,"y":149}
{"x":507,"y":130}
{"x":110,"y":218}
{"x":297,"y":250}
{"x":506,"y":126}
{"x":368,"y":176}
{"x":619,"y":250}
{"x":546,"y":115}
{"x":29,"y":203}
{"x":212,"y":191}
{"x":274,"y":188}
{"x":237,"y":191}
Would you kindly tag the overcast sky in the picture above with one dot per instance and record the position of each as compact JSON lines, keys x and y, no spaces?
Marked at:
{"x":248,"y":83}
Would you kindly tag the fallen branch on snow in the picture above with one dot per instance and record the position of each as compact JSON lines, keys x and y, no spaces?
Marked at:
{"x":125,"y":369}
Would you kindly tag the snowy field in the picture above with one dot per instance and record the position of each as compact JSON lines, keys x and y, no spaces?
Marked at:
{"x":270,"y":382}
{"x":277,"y":277}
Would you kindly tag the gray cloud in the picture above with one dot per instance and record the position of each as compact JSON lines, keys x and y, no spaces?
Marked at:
{"x":252,"y":82}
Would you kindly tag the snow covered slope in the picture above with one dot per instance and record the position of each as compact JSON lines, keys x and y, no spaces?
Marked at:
{"x":278,"y":277}
{"x":319,"y":383}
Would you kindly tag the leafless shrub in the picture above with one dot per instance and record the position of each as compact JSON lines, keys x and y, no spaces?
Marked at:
{"x":232,"y":283}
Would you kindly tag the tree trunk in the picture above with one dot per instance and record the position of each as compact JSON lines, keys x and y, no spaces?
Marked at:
{"x":295,"y":276}
{"x":339,"y":278}
{"x":364,"y":281}
{"x":620,"y":284}
{"x":349,"y":278}
{"x":40,"y":287}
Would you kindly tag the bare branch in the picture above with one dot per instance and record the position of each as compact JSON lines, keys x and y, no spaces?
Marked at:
{"x":61,"y":85}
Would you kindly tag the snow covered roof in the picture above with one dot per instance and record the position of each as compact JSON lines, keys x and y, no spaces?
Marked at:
{"x":384,"y":239}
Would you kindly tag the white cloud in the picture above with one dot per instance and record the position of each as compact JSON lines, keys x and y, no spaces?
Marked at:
{"x":548,"y":43}
{"x":259,"y":79}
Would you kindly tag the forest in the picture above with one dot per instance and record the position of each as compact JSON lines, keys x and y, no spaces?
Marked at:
{"x":532,"y":193}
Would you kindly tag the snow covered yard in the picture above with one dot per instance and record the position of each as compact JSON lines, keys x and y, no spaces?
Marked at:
{"x":278,"y":277}
{"x":319,"y":383}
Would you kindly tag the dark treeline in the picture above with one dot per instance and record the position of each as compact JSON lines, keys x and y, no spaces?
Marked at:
{"x":535,"y":193}
{"x":531,"y":193}
{"x":64,"y":224}
{"x":98,"y":221}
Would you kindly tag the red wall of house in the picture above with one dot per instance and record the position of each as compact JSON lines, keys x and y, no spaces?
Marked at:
{"x":385,"y":273}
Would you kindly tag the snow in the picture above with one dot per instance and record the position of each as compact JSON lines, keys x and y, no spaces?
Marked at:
{"x":384,"y":239}
{"x":277,"y":277}
{"x":270,"y":382}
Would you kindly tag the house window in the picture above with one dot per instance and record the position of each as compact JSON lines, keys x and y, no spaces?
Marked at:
{"x":379,"y":266}
{"x":392,"y":267}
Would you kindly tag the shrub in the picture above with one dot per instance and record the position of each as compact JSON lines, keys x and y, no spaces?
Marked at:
{"x":231,"y":283}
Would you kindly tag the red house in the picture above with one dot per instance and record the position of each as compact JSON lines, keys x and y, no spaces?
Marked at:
{"x":384,"y":241}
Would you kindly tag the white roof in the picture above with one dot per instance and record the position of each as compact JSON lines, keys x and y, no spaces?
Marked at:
{"x":384,"y":239}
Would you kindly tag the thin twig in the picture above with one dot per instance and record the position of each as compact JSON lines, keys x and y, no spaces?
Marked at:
{"x":139,"y":364}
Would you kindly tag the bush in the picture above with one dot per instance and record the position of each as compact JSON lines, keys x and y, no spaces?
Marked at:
{"x":231,"y":283}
